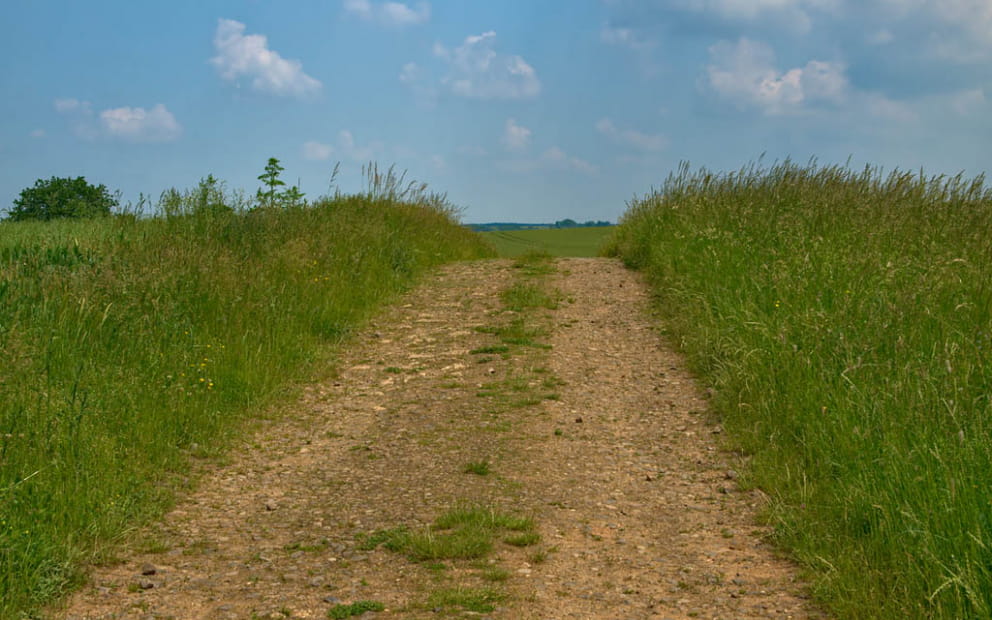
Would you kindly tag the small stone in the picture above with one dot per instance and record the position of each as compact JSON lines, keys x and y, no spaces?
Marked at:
{"x":731,"y":474}
{"x":578,"y":420}
{"x":271,"y":505}
{"x":333,"y":600}
{"x":148,"y":569}
{"x":146,"y":584}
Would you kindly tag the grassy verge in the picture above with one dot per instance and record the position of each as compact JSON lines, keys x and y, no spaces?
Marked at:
{"x":844,"y":320}
{"x":130,"y":345}
{"x":581,"y":242}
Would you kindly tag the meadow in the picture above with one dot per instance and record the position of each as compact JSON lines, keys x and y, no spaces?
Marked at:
{"x":134,"y":346}
{"x":578,"y":241}
{"x":843,"y":321}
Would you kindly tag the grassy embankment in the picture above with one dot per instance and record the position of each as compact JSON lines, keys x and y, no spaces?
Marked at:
{"x":845,"y":321}
{"x":580,"y":241}
{"x":131,"y":345}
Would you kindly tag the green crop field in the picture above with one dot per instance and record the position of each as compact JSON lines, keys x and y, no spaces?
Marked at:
{"x":580,"y":241}
{"x":844,"y":321}
{"x":130,"y":345}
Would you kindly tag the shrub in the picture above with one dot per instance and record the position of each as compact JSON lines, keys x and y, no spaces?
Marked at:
{"x":62,"y":198}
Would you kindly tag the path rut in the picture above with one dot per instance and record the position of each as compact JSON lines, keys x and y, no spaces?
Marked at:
{"x":614,"y":456}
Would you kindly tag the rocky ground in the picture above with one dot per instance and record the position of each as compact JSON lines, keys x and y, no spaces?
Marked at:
{"x":567,"y":409}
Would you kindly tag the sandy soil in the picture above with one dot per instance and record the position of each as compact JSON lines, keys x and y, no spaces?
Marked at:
{"x":603,"y":438}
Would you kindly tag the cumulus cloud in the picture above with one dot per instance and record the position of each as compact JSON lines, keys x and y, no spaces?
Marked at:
{"x":882,"y":36}
{"x":394,"y":14}
{"x":745,"y":73}
{"x":630,"y":137}
{"x":248,"y":56}
{"x":473,"y":150}
{"x":476,"y":70}
{"x":140,"y":125}
{"x":557,"y":158}
{"x":345,"y":147}
{"x":792,"y":13}
{"x":70,"y":104}
{"x":515,"y":137}
{"x":410,"y":73}
{"x":156,"y":124}
{"x":967,"y":102}
{"x":961,"y":30}
{"x":625,"y":37}
{"x":317,"y":151}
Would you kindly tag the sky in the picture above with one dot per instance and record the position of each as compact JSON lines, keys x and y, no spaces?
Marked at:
{"x":520,"y":110}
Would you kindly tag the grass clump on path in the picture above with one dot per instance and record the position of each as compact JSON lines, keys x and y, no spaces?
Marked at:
{"x":844,"y":319}
{"x":131,"y":344}
{"x":341,"y":610}
{"x":462,"y":533}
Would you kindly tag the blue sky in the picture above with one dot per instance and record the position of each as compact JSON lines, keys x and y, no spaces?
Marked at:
{"x":521,"y":110}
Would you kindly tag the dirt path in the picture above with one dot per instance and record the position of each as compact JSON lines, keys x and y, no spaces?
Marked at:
{"x":602,"y":439}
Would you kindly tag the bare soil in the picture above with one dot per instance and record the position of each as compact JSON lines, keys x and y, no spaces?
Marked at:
{"x":603,"y":438}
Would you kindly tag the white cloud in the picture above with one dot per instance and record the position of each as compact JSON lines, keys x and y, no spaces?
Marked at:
{"x":63,"y":106}
{"x":881,"y":107}
{"x":557,"y":158}
{"x":515,"y":137}
{"x":240,"y":55}
{"x":745,"y":73}
{"x":790,"y":12}
{"x":476,"y":70}
{"x":625,"y":37}
{"x":317,"y":151}
{"x":410,"y":73}
{"x":473,"y":150}
{"x":633,"y":39}
{"x":967,"y":102}
{"x":394,"y":14}
{"x":961,"y":29}
{"x":630,"y":137}
{"x":140,"y":125}
{"x":361,"y":8}
{"x":126,"y":123}
{"x":881,"y":37}
{"x":345,"y":147}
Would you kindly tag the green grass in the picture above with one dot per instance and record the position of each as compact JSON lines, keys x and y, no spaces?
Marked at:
{"x":341,"y":611}
{"x":560,"y":242}
{"x":476,"y":600}
{"x":129,"y":345}
{"x":462,"y":533}
{"x":844,"y":319}
{"x":479,"y":468}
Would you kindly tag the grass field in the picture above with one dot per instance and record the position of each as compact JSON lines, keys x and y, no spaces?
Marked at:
{"x":131,"y":345}
{"x":844,"y":321}
{"x":580,"y":241}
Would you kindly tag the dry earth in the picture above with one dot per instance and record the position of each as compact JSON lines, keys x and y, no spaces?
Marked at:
{"x":603,"y":439}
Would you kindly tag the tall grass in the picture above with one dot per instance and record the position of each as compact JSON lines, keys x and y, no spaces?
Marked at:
{"x":844,"y":319}
{"x":129,"y":345}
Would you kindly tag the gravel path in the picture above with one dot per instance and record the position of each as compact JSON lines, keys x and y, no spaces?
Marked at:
{"x":602,"y":438}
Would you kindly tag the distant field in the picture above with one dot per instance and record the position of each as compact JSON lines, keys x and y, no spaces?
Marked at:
{"x":555,"y":241}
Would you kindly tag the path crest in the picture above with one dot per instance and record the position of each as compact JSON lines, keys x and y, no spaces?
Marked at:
{"x":637,"y":508}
